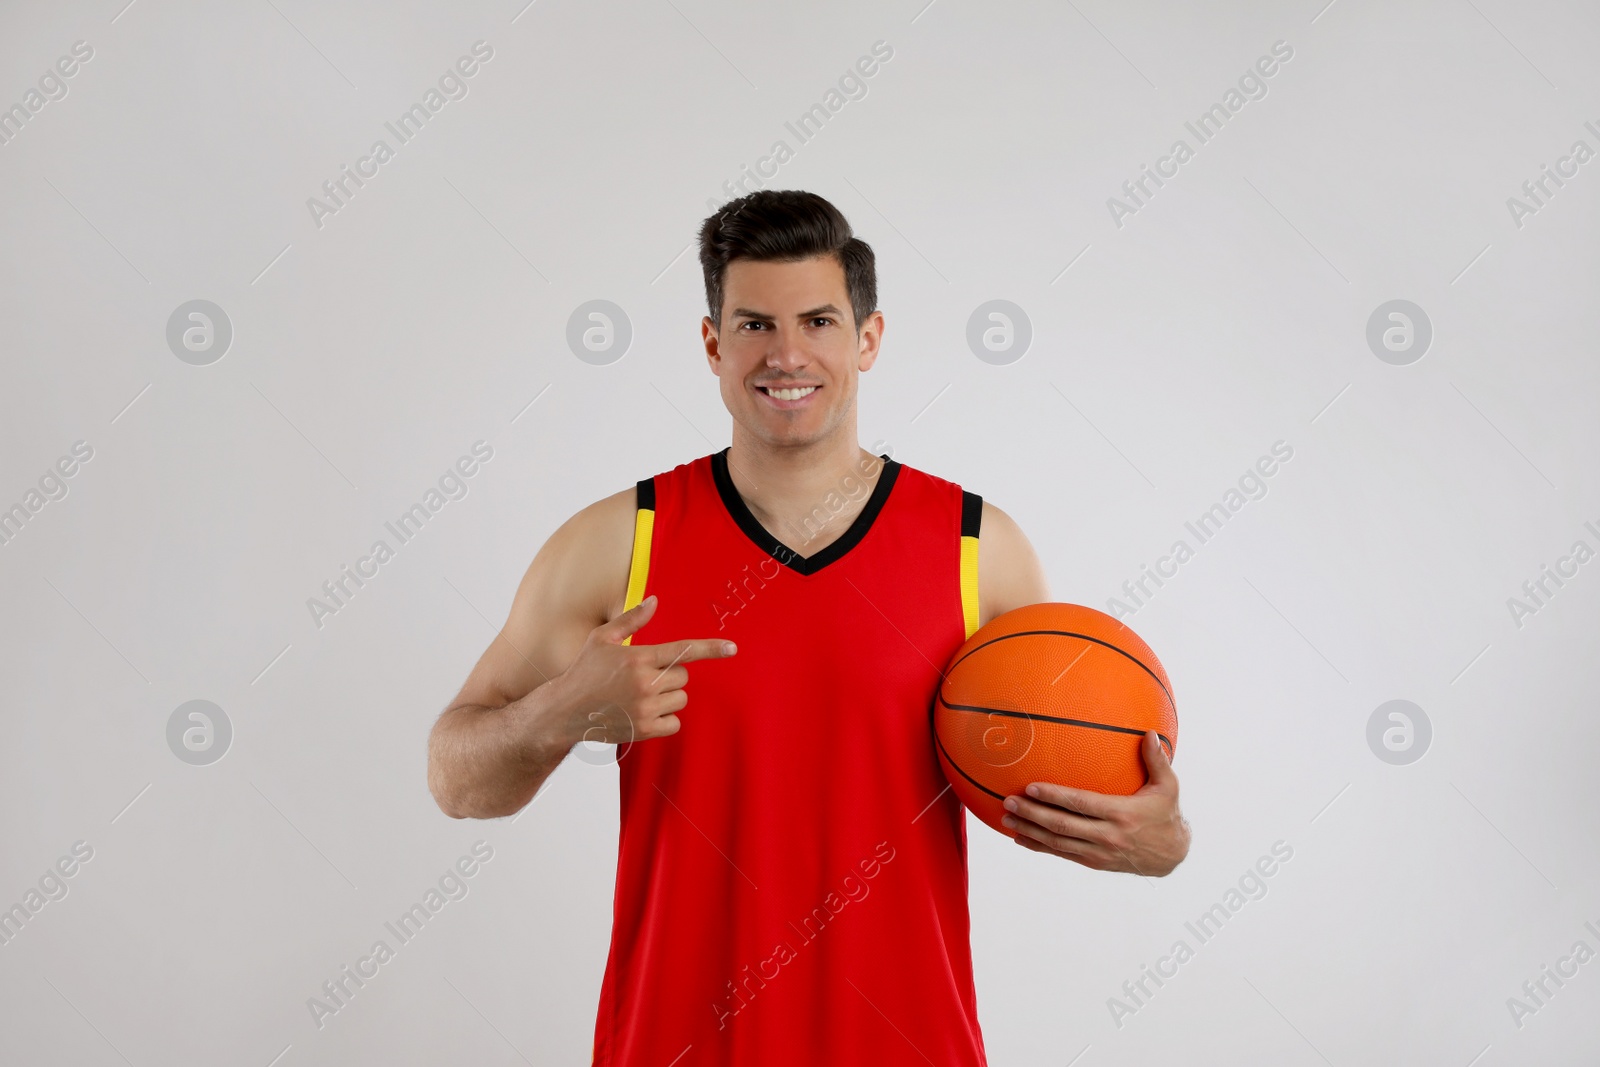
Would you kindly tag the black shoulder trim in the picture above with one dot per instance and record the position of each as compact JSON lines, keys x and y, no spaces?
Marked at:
{"x":645,"y":494}
{"x":971,"y":514}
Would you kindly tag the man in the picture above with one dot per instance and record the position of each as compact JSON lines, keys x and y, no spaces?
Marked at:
{"x":791,"y":873}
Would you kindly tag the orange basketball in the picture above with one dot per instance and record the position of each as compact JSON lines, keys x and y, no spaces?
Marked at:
{"x":1049,"y":693}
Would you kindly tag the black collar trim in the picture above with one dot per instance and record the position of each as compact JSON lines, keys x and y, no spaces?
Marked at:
{"x":741,"y":515}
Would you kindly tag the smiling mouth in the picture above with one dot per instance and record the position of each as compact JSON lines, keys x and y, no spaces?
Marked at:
{"x":799,"y":392}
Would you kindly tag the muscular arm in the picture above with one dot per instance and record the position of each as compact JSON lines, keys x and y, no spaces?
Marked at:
{"x":1009,"y":573}
{"x":511,"y":724}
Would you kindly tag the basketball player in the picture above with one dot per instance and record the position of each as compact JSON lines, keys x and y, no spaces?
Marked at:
{"x":791,"y":871}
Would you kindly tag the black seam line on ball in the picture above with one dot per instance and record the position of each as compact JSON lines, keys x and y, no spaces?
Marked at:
{"x":1068,"y":633}
{"x":951,"y":760}
{"x":1030,"y":716}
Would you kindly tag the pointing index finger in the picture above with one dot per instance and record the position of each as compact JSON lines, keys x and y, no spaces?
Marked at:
{"x":688,"y":651}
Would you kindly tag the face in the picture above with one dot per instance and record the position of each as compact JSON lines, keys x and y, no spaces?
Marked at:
{"x":788,"y":356}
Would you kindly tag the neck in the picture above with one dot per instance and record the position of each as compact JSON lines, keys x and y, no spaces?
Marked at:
{"x":796,"y":491}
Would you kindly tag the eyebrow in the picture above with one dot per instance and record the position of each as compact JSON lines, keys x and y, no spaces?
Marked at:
{"x":747,"y":313}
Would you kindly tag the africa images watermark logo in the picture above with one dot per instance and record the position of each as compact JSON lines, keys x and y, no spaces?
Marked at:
{"x":999,"y":332}
{"x":53,"y":885}
{"x":199,"y":732}
{"x":1538,"y":591}
{"x":599,"y":332}
{"x":751,"y":980}
{"x":199,"y":332}
{"x":1252,"y":485}
{"x":452,"y":85}
{"x":453,"y":484}
{"x":1537,"y":991}
{"x":852,"y":85}
{"x":1538,"y":191}
{"x":1399,"y":732}
{"x":1252,"y":85}
{"x":52,"y":86}
{"x":340,"y":990}
{"x":1252,"y":885}
{"x":52,"y":486}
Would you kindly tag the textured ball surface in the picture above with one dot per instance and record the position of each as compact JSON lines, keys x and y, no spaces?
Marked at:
{"x":1049,"y":693}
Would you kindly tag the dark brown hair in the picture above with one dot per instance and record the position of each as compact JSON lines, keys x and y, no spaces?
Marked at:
{"x":784,"y":225}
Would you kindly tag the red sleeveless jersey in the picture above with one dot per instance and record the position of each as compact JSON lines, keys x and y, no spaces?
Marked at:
{"x":791,"y":873}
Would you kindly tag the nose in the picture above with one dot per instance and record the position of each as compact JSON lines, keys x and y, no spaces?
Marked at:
{"x":786,"y":352}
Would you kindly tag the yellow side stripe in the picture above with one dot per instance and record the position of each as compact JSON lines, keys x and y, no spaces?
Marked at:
{"x":644,"y":524}
{"x":969,"y":583}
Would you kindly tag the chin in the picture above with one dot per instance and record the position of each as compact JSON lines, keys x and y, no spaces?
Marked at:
{"x":782,"y":433}
{"x":787,"y":437}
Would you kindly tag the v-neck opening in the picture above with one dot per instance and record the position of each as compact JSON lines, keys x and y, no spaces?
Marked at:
{"x":740,"y":512}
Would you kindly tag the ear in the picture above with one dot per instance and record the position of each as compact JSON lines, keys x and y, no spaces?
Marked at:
{"x":708,"y":337}
{"x":871,"y":339}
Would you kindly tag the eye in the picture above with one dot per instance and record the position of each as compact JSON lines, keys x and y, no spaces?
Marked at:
{"x":752,"y":322}
{"x":822,"y":319}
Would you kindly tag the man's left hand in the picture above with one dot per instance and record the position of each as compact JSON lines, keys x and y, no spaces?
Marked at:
{"x":1144,"y":833}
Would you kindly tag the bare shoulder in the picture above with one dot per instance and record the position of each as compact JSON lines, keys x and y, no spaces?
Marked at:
{"x":578,"y":580}
{"x":1009,"y":572}
{"x":584,"y":564}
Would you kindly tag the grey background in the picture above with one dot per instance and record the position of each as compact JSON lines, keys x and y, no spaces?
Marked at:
{"x":368,"y":355}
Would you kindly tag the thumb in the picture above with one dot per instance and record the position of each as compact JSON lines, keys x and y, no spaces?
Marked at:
{"x":629,"y":622}
{"x":1161,"y":774}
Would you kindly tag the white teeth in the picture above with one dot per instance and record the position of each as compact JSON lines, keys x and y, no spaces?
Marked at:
{"x":791,"y":394}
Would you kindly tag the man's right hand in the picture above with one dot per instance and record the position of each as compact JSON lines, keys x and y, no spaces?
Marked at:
{"x":615,"y":693}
